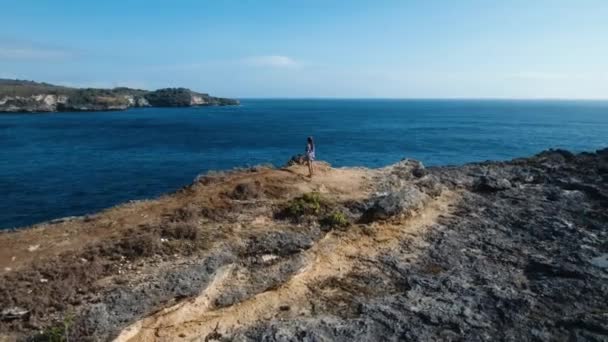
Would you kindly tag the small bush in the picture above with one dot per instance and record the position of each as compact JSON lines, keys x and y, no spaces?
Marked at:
{"x":135,"y":246}
{"x":186,"y":213}
{"x":247,"y":191}
{"x":180,"y":231}
{"x":58,"y":333}
{"x":307,"y":204}
{"x":335,"y":220}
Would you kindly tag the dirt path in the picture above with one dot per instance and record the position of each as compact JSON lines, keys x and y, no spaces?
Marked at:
{"x":334,"y":256}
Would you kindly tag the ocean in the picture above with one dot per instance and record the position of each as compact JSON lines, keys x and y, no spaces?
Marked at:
{"x":65,"y":164}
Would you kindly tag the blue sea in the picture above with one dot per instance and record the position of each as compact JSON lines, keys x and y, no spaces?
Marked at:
{"x":64,"y":164}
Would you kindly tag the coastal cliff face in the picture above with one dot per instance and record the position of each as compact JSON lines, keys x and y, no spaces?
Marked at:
{"x":513,"y":250}
{"x":23,"y":96}
{"x":54,"y":103}
{"x":39,"y":103}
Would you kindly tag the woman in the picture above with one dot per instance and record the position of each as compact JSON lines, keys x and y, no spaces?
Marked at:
{"x":310,"y":155}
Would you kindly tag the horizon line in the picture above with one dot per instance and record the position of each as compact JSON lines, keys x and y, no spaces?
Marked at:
{"x":423,"y":98}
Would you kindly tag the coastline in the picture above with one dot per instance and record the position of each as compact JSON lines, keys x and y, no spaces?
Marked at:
{"x":397,"y":237}
{"x":105,"y":109}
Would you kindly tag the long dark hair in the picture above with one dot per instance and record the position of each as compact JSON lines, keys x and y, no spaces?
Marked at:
{"x":311,"y":142}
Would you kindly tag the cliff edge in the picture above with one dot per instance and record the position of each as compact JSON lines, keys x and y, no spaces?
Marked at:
{"x":514,"y":250}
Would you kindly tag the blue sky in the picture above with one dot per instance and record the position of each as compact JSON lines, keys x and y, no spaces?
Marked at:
{"x":314,"y":48}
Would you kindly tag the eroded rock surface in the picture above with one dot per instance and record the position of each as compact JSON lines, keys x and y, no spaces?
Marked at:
{"x":489,"y":251}
{"x":520,"y":258}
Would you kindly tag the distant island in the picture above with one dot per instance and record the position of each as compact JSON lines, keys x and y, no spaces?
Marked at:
{"x":30,"y":97}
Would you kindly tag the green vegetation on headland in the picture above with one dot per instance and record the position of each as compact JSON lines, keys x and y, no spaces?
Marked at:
{"x":29,"y":96}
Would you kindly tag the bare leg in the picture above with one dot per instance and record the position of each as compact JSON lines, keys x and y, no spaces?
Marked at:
{"x":310,"y":168}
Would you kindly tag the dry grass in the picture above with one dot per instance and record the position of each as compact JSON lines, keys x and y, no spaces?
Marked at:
{"x":75,"y":260}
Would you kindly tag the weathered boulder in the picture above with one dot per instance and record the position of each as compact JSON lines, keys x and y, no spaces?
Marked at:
{"x":408,"y":169}
{"x":298,"y":159}
{"x":401,"y":202}
{"x":490,"y":183}
{"x":556,"y":155}
{"x":430,"y":185}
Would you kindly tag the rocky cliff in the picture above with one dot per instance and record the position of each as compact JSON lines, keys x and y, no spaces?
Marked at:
{"x":25,"y":96}
{"x":513,"y":251}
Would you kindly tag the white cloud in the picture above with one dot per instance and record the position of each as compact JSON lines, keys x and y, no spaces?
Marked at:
{"x":29,"y":53}
{"x":544,"y":76}
{"x":103,"y":84}
{"x":15,"y":50}
{"x":7,"y":75}
{"x":559,"y":76}
{"x":272,"y":61}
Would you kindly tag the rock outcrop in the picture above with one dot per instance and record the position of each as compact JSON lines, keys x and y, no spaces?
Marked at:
{"x":513,"y":250}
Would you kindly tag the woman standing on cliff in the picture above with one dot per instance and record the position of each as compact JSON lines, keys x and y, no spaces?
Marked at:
{"x":310,"y":155}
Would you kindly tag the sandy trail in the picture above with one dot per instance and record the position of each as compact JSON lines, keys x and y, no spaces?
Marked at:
{"x":334,"y":256}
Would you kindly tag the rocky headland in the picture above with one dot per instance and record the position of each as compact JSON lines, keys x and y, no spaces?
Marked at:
{"x":18,"y":96}
{"x":514,"y":251}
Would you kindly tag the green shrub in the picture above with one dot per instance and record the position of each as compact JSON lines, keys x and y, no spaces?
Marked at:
{"x":57,"y":333}
{"x":336,"y":219}
{"x":307,"y":204}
